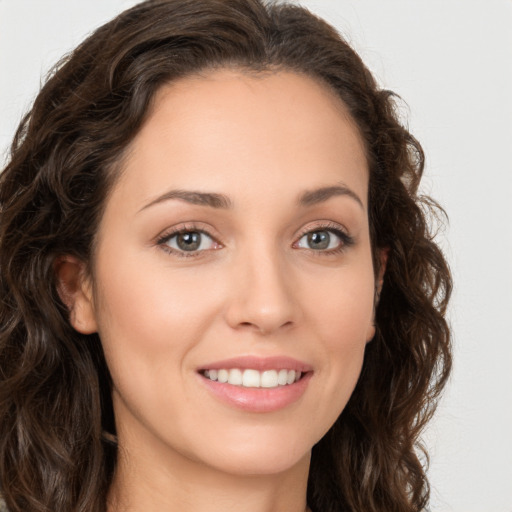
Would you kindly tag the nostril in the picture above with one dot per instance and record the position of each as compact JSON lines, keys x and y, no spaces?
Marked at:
{"x":264,"y":327}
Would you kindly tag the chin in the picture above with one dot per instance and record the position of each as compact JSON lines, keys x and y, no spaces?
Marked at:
{"x":260,"y":462}
{"x":258,"y":452}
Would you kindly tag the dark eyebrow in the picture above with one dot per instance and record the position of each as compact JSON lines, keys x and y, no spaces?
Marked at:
{"x":319,"y":195}
{"x":210,"y":199}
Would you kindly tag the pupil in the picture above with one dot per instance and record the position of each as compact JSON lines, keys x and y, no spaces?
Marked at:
{"x":189,"y":241}
{"x":319,"y":240}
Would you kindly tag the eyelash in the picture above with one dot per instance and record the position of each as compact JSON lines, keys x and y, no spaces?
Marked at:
{"x":189,"y":228}
{"x":346,"y":240}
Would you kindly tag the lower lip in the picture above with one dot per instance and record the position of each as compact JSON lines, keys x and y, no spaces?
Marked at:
{"x":258,"y":399}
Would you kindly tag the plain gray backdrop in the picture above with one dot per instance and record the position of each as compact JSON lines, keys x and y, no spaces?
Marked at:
{"x":451,"y":61}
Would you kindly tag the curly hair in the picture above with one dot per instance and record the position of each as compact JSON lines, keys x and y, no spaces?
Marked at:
{"x":55,"y":387}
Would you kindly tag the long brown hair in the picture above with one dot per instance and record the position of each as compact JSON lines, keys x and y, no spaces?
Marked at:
{"x":55,"y":405}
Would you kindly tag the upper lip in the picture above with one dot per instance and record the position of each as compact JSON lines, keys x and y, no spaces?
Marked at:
{"x":259,"y":363}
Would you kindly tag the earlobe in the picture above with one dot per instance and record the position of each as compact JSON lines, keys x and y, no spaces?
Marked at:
{"x":75,"y":290}
{"x":371,"y":332}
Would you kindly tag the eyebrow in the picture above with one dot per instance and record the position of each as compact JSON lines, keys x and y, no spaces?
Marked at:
{"x":220,"y":201}
{"x":319,"y":195}
{"x":210,"y":199}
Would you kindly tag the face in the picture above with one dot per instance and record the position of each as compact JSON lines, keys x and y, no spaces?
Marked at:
{"x":233,"y":280}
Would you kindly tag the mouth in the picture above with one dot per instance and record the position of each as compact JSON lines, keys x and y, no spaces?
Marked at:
{"x":256,"y":384}
{"x":252,"y":378}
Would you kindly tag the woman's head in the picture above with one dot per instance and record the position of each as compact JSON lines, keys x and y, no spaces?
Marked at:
{"x":88,"y":156}
{"x":236,"y":239}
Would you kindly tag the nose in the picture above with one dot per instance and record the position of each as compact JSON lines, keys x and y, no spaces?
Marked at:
{"x":264,"y":298}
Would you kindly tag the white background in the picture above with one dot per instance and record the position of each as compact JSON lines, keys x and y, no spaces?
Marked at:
{"x":451,"y":61}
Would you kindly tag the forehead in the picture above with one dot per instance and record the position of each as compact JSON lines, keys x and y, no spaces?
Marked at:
{"x":229,"y":127}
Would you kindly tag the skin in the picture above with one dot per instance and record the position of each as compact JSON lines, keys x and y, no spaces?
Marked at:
{"x":258,"y":288}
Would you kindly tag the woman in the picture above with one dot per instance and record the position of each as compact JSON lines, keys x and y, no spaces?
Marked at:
{"x":219,"y":285}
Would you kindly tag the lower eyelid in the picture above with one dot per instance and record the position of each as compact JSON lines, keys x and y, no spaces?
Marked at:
{"x":346,"y":240}
{"x":202,"y":233}
{"x":163,"y":240}
{"x":341,"y":242}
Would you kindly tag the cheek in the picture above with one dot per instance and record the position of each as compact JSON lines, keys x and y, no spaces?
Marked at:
{"x":150,"y":324}
{"x":148,"y":321}
{"x":142,"y":302}
{"x":343,"y":307}
{"x":344,"y":324}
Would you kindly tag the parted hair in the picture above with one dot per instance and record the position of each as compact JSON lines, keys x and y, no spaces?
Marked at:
{"x":57,"y":427}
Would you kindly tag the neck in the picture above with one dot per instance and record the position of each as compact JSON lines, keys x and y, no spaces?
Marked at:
{"x":178,"y":483}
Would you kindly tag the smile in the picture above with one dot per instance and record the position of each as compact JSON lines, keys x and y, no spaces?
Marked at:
{"x":250,"y":378}
{"x":257,"y":384}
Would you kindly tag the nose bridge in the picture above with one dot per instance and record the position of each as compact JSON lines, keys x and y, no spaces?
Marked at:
{"x":263,"y":297}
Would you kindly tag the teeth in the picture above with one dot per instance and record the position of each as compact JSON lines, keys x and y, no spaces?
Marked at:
{"x":282,"y":377}
{"x":269,"y":379}
{"x":291,"y":377}
{"x":253,"y":378}
{"x":235,"y":377}
{"x":222,"y":375}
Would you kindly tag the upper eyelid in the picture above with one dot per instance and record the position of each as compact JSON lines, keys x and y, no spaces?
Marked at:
{"x":326,"y":225}
{"x":184,"y":228}
{"x":172,"y":234}
{"x":323,"y":225}
{"x":347,"y":239}
{"x":163,"y":239}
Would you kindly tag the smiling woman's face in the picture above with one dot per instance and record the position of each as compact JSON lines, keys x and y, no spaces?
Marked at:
{"x":235,"y":245}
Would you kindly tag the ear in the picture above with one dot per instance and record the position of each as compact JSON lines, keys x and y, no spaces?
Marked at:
{"x":383,"y":261}
{"x":379,"y":281}
{"x":75,"y":291}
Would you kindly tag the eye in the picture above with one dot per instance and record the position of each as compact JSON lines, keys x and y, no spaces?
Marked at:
{"x":188,"y":241}
{"x":324,"y":239}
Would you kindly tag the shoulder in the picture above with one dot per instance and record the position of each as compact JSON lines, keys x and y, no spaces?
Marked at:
{"x":3,"y":507}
